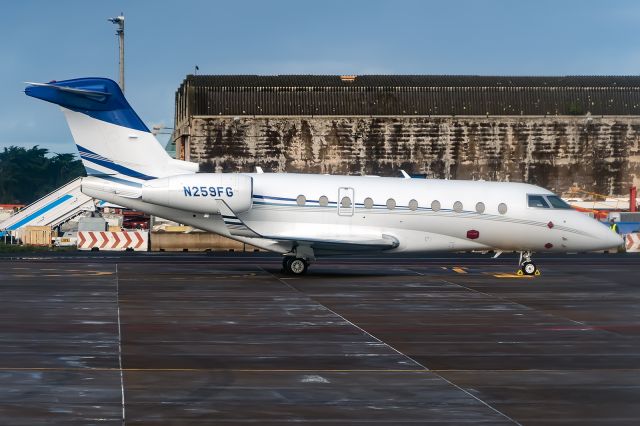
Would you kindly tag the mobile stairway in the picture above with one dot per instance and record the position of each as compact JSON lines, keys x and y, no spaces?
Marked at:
{"x":51,"y":210}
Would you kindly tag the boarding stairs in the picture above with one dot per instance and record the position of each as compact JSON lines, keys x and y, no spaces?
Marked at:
{"x":51,"y":210}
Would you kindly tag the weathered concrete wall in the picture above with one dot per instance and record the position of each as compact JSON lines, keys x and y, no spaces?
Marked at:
{"x":195,"y":241}
{"x":601,"y":154}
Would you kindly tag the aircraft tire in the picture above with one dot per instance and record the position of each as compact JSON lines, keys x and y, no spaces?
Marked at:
{"x":286,"y":262}
{"x":297,"y":266}
{"x":528,"y":268}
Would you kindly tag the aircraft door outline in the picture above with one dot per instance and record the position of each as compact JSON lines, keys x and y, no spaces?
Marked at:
{"x":346,"y":201}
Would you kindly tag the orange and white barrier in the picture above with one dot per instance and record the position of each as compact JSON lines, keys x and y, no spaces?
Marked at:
{"x":113,"y":241}
{"x":632,"y":243}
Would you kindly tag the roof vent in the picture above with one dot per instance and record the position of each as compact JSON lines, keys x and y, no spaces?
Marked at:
{"x":348,"y":78}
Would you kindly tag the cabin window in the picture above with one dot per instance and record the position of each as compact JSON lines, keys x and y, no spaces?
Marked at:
{"x":345,"y":203}
{"x":537,"y":201}
{"x":323,"y":201}
{"x":391,"y":204}
{"x":368,"y":203}
{"x":301,"y":200}
{"x":457,"y":207}
{"x":502,"y":208}
{"x":480,"y":207}
{"x":557,"y":202}
{"x":413,"y":205}
{"x":435,"y":205}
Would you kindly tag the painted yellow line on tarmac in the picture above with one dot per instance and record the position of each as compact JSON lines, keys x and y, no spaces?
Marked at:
{"x":63,"y":273}
{"x":511,"y":276}
{"x":460,"y":270}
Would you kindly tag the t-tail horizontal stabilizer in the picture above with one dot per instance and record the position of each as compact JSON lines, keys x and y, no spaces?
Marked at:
{"x":235,"y":225}
{"x":96,"y":95}
{"x":112,"y":139}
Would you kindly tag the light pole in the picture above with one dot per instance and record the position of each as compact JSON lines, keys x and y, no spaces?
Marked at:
{"x":119,"y":21}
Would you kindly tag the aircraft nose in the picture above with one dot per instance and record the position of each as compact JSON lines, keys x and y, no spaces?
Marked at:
{"x":614,"y":240}
{"x":608,"y":239}
{"x":598,"y":235}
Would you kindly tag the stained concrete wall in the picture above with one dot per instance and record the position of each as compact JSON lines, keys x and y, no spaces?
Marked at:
{"x":601,"y":154}
{"x":196,"y":241}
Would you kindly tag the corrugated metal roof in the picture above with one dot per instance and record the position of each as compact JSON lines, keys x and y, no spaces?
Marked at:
{"x":406,"y":95}
{"x":410,"y":81}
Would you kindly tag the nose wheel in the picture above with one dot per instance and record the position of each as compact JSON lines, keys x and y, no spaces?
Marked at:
{"x":527,"y":267}
{"x":294,"y":265}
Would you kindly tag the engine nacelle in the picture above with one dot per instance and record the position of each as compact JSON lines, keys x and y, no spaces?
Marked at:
{"x":199,"y":192}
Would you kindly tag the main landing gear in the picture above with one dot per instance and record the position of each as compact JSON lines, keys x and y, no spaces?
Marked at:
{"x":294,"y":265}
{"x":296,"y":262}
{"x":527,"y":267}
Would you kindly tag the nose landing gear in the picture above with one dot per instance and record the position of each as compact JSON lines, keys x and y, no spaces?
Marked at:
{"x":527,"y":267}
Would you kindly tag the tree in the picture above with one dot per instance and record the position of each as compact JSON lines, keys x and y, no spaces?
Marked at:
{"x":28,"y":174}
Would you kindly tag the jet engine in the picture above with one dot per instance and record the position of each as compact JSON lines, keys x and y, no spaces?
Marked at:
{"x":200,"y":192}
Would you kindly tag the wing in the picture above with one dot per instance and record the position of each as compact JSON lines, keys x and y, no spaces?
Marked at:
{"x":328,"y":244}
{"x":342,"y":244}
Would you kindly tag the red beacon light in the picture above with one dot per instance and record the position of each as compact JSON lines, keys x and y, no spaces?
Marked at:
{"x":472,"y":234}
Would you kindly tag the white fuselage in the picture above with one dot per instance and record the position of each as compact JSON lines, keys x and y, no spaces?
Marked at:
{"x":415,"y":222}
{"x":303,"y":214}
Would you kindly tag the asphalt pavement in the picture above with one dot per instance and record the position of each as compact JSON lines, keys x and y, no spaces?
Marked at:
{"x":229,"y":339}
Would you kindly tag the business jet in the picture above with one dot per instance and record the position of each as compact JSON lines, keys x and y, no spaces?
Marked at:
{"x":307,"y":216}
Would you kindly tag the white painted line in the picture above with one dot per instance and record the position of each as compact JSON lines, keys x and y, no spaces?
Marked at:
{"x":495,"y":410}
{"x":120,"y":345}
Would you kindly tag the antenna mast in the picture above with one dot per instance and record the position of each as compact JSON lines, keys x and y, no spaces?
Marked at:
{"x":119,"y":21}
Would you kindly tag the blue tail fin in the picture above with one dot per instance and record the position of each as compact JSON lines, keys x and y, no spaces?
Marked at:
{"x":111,"y":137}
{"x":99,"y":98}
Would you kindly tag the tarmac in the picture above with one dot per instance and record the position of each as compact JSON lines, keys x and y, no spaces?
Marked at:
{"x":228,"y":339}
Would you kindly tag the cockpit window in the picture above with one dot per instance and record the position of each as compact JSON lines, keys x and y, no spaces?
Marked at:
{"x":557,"y":202}
{"x":537,"y":201}
{"x":547,"y":201}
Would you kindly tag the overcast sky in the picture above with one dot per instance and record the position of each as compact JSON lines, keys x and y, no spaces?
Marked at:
{"x":55,"y":40}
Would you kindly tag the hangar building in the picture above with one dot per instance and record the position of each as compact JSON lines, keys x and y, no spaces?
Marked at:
{"x":552,"y":131}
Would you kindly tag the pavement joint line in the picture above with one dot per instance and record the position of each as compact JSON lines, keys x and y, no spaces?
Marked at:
{"x":504,"y":299}
{"x":246,"y":370}
{"x":489,"y":406}
{"x":120,"y":346}
{"x":349,"y":322}
{"x":302,"y":370}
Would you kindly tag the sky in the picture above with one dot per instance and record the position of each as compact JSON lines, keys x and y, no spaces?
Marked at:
{"x":55,"y":40}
